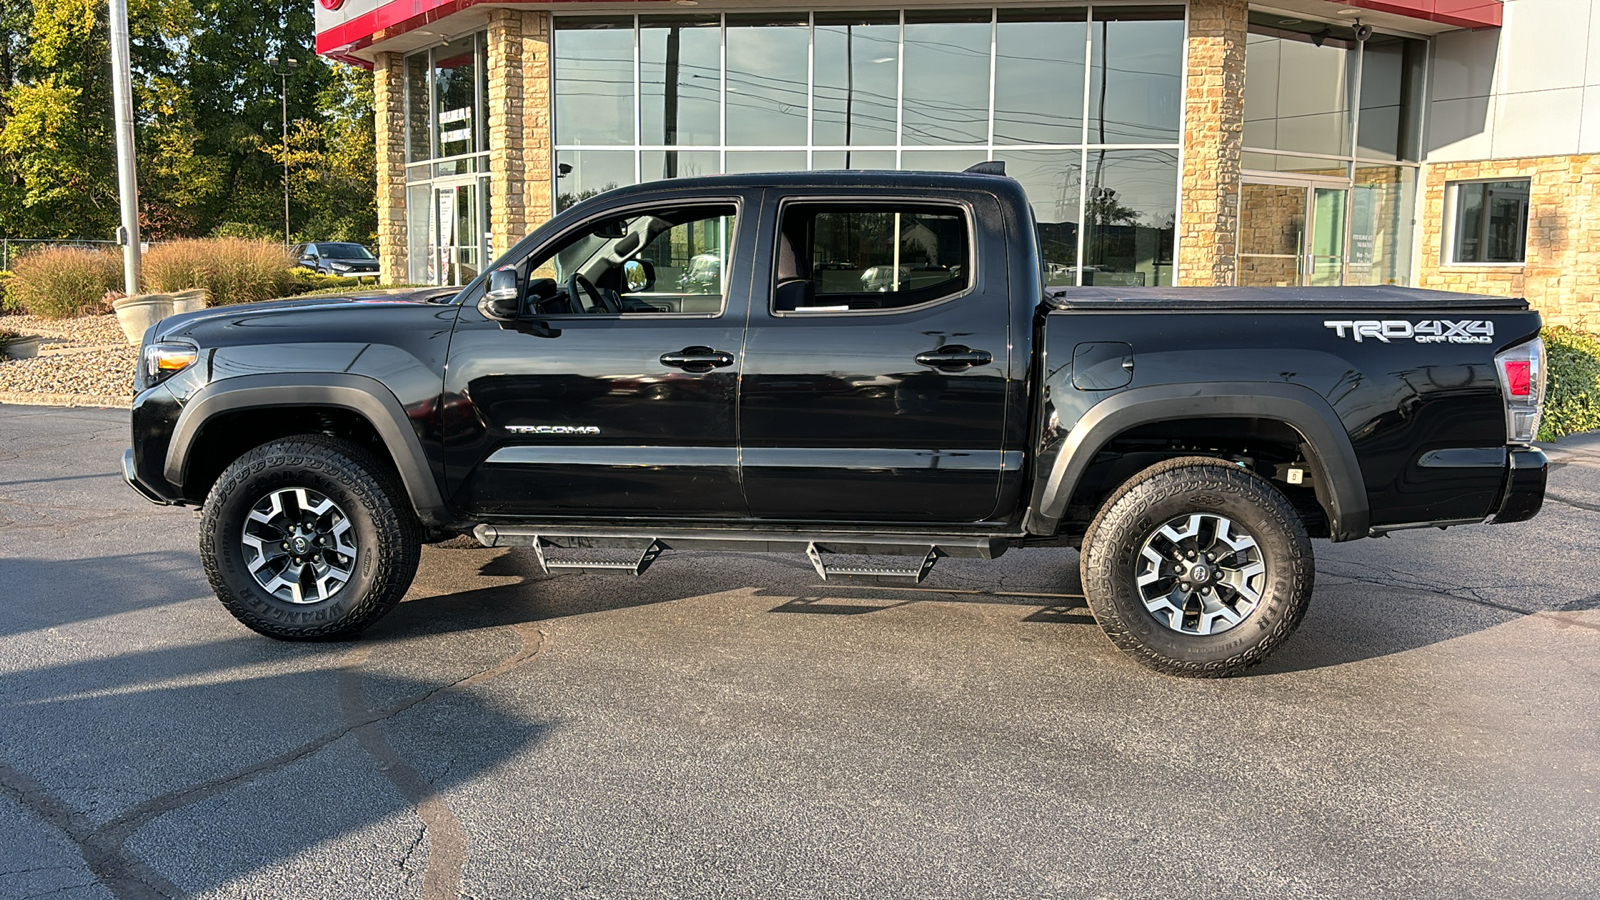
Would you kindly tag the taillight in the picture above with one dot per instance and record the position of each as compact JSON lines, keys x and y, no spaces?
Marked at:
{"x":1521,"y":371}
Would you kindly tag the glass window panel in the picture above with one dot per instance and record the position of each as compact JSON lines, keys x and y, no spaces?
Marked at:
{"x":853,"y":159}
{"x":680,"y":80}
{"x":654,"y":164}
{"x":1391,"y":73}
{"x":594,"y":101}
{"x":767,"y":80}
{"x":1297,"y":93}
{"x":1491,"y":223}
{"x":947,"y":78}
{"x":455,"y":77}
{"x":857,"y":73}
{"x":940,"y":160}
{"x":873,"y":258}
{"x":1301,"y":165}
{"x":581,"y":174}
{"x":1135,"y":75}
{"x":419,"y":115}
{"x":1053,"y":181}
{"x":419,"y":235}
{"x":1380,"y":225}
{"x":744,"y":162}
{"x":1038,"y":77}
{"x":1130,"y":215}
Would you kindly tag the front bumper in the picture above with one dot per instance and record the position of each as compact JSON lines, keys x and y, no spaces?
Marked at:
{"x":130,"y":474}
{"x":1524,"y":493}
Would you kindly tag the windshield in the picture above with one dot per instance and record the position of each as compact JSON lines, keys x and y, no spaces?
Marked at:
{"x":345,"y":251}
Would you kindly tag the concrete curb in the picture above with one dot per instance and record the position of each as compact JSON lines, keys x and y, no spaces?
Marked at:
{"x":20,"y":398}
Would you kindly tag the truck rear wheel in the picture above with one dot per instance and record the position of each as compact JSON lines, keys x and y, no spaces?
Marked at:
{"x":309,"y":538}
{"x":1198,"y":568}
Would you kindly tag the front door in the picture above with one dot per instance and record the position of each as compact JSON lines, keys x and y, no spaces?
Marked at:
{"x":615,"y":397}
{"x":1292,"y":232}
{"x":459,"y":221}
{"x":875,"y":365}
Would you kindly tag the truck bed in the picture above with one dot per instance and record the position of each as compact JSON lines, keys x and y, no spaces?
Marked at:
{"x":1301,"y":299}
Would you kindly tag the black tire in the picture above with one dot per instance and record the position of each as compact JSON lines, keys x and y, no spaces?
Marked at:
{"x":381,"y":528}
{"x":1179,"y":634}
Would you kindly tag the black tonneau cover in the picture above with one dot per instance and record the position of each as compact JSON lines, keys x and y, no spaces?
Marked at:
{"x":1230,"y":299}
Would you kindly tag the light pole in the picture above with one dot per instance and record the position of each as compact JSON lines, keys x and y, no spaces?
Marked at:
{"x":289,"y":66}
{"x":127,"y":179}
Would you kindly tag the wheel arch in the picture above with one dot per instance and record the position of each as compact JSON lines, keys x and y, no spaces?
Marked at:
{"x":1336,"y":473}
{"x":352,"y":398}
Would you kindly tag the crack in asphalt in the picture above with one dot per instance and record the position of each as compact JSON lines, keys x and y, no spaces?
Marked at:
{"x":103,"y":847}
{"x":1567,"y":615}
{"x":1575,"y":504}
{"x":447,"y":840}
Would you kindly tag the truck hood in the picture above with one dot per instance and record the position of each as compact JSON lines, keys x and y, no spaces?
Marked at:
{"x":245,"y":313}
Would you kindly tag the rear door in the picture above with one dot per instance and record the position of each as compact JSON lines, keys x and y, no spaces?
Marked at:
{"x":874,"y":383}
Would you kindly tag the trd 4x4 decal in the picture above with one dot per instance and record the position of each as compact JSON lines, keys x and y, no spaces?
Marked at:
{"x":1427,"y":331}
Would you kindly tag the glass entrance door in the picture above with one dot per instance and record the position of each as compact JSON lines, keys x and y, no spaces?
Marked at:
{"x":1291,"y":233}
{"x":459,"y":225}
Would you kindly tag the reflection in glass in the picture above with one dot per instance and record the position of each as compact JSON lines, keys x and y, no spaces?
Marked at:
{"x":1491,"y":221}
{"x":1391,"y":82}
{"x":581,"y":174}
{"x":1300,"y":165}
{"x":680,"y":80}
{"x":1272,"y":230}
{"x":654,"y":164}
{"x":419,"y":111}
{"x":1297,"y":94}
{"x":853,"y":159}
{"x":1130,"y":214}
{"x":940,"y":160}
{"x":1380,"y":225}
{"x":1038,"y":77}
{"x":419,"y":235}
{"x":1135,"y":75}
{"x":593,"y":62}
{"x":1052,"y":179}
{"x":1327,"y":236}
{"x":946,"y":78}
{"x":767,"y":79}
{"x":744,"y":162}
{"x":857,"y":71}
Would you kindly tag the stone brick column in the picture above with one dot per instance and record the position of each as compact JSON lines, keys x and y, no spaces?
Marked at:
{"x":389,"y":84}
{"x":519,"y":124}
{"x":1208,"y":215}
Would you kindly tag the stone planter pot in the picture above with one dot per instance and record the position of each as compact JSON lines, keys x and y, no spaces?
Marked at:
{"x":21,"y":348}
{"x":137,"y":313}
{"x":192,"y":300}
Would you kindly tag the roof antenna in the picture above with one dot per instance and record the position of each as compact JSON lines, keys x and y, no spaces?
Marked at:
{"x":989,"y":167}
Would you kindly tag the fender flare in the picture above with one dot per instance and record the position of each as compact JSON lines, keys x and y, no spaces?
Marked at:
{"x":1336,"y":473}
{"x":360,"y":394}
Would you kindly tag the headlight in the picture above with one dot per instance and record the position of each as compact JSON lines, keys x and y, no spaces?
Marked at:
{"x":162,"y":361}
{"x":339,"y":267}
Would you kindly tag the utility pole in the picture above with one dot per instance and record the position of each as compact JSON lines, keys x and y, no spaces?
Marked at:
{"x":289,"y":66}
{"x":127,"y":175}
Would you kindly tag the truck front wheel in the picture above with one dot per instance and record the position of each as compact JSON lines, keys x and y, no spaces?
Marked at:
{"x":308,"y":538}
{"x":1198,"y":568}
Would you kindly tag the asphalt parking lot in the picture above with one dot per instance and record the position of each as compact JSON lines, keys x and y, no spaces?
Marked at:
{"x":729,"y":727}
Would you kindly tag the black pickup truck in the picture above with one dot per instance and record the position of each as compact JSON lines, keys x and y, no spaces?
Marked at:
{"x":846,"y":365}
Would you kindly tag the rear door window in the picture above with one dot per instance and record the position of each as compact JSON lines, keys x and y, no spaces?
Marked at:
{"x":844,"y":259}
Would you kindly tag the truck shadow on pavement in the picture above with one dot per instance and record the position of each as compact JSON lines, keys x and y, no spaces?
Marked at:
{"x":1347,"y":623}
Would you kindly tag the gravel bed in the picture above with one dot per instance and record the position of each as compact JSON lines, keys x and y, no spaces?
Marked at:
{"x":98,"y":363}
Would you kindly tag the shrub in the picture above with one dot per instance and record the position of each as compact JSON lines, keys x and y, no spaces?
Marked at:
{"x":63,"y":282}
{"x":1572,"y":403}
{"x":246,"y":230}
{"x":232,"y":270}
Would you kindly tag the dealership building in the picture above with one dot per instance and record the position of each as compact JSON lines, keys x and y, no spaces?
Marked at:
{"x":1449,"y":144}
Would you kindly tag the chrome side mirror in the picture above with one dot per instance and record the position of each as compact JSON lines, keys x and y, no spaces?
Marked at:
{"x":502,"y":301}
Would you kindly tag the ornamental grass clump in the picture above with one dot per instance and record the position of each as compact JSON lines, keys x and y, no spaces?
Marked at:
{"x":1572,"y":401}
{"x":62,"y":282}
{"x":232,"y":270}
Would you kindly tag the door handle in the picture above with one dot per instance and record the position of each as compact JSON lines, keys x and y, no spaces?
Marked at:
{"x":953,"y":358}
{"x":697,"y":359}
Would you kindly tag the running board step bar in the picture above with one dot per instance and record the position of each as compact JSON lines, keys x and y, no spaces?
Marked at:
{"x":559,"y":549}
